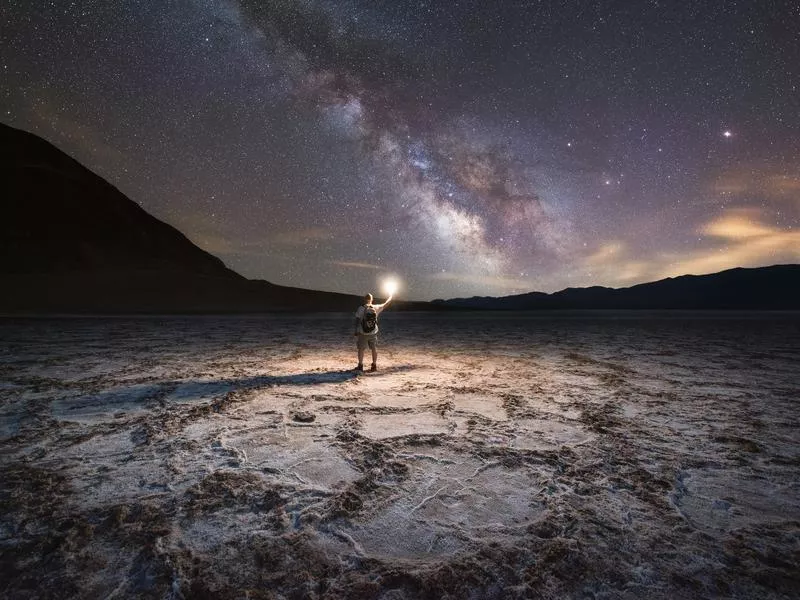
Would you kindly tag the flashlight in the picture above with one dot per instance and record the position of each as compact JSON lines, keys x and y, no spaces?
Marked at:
{"x":390,"y":287}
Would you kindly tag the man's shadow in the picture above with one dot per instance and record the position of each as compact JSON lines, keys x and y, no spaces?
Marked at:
{"x":168,"y":392}
{"x":312,"y":377}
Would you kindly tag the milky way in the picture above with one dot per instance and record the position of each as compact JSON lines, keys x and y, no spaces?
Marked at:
{"x":467,"y":147}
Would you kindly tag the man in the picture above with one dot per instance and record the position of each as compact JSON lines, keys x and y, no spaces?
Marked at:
{"x":367,"y":330}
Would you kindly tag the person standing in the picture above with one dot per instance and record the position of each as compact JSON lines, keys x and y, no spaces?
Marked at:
{"x":366,"y":330}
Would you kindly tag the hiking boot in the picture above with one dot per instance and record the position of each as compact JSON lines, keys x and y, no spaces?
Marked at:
{"x":374,"y":367}
{"x":359,"y":367}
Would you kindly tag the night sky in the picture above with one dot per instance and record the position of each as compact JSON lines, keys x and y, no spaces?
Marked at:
{"x":469,"y":147}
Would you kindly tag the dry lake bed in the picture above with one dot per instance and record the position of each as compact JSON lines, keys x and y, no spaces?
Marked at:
{"x":544,"y":455}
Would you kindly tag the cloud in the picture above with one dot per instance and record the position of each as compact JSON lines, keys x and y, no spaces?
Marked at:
{"x":220,"y":238}
{"x":609,"y":251}
{"x":748,"y":242}
{"x":502,"y":284}
{"x":738,"y":238}
{"x":356,"y":265}
{"x":738,"y":225}
{"x":613,"y":264}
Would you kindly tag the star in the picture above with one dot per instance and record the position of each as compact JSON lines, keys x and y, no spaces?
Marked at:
{"x":727,"y":133}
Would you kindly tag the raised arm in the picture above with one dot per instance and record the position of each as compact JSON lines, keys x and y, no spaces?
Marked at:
{"x":380,"y":307}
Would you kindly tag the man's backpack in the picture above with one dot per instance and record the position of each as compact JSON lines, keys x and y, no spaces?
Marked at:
{"x":370,"y":319}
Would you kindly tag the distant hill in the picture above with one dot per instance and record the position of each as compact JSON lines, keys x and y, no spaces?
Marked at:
{"x":71,"y":242}
{"x":57,"y":217}
{"x":764,"y":288}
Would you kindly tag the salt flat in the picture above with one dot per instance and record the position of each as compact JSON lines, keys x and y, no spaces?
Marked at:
{"x":574,"y":455}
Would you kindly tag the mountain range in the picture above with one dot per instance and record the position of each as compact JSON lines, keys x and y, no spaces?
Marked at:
{"x":70,"y":242}
{"x":765,"y":288}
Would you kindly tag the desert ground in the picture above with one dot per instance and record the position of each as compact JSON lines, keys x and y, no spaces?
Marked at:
{"x":572,"y":455}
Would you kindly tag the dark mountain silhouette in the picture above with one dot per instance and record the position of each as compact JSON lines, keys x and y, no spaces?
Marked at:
{"x":71,"y":242}
{"x":764,"y":288}
{"x":58,"y":216}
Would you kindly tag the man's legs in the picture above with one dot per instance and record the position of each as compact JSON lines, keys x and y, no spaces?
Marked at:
{"x":361,"y":344}
{"x":373,"y":344}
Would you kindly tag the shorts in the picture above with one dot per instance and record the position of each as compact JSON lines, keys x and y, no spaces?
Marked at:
{"x":366,"y":340}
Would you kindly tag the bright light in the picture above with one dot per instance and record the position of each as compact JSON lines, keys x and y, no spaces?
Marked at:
{"x":390,"y":287}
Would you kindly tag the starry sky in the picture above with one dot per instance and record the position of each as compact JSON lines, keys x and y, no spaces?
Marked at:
{"x":468,"y":147}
